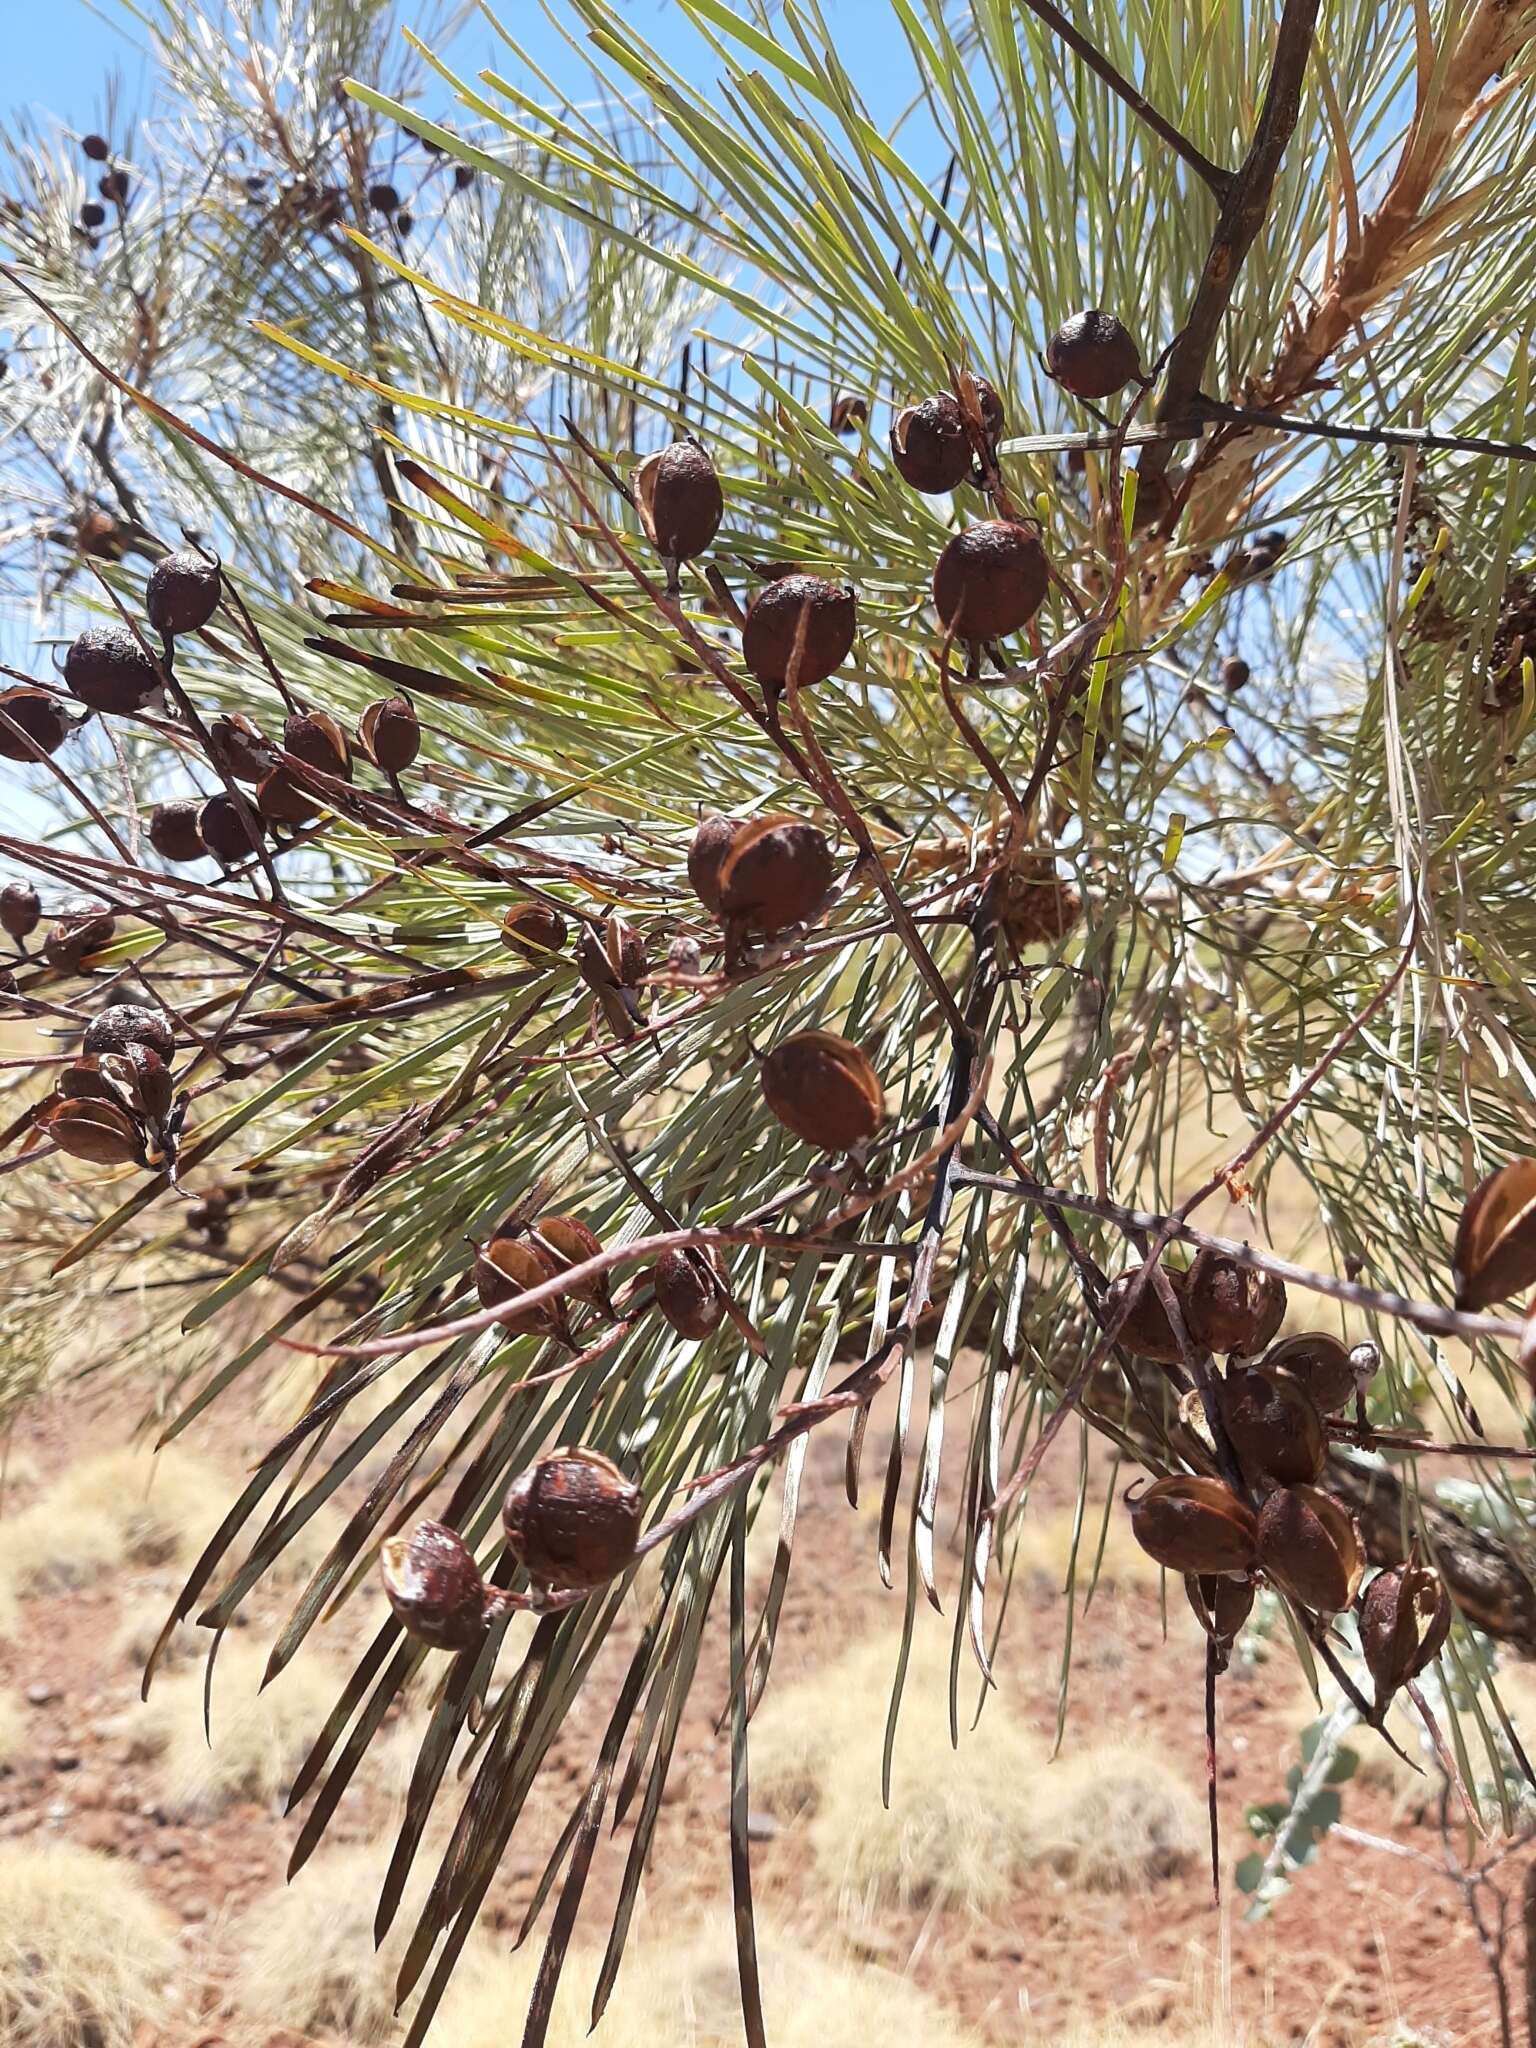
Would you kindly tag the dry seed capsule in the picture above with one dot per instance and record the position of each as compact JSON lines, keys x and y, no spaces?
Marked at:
{"x":96,"y":147}
{"x":389,"y":733}
{"x":383,"y":197}
{"x":1273,"y":1425}
{"x":1310,"y":1547}
{"x":1235,"y":672}
{"x":283,"y":800}
{"x":990,"y":580}
{"x":1319,"y":1362}
{"x":688,"y":1291}
{"x":508,"y":1267}
{"x":572,"y":1519}
{"x":173,"y":830}
{"x":679,"y":499}
{"x":229,"y":833}
{"x":1233,"y":1307}
{"x":106,"y":668}
{"x":1195,"y":1526}
{"x":777,"y":873}
{"x":568,"y":1242}
{"x":706,"y":856}
{"x":774,"y":622}
{"x":93,"y":214}
{"x":238,"y":750}
{"x":42,"y":719}
{"x":315,"y":738}
{"x":123,"y":1024}
{"x":435,"y":1587}
{"x":823,"y":1089}
{"x":1495,"y":1251}
{"x":143,"y":1079}
{"x":1154,"y":500}
{"x":534,"y":930}
{"x":1036,"y":907}
{"x":1146,"y":1332}
{"x":21,"y":910}
{"x":1405,"y":1618}
{"x":76,"y":933}
{"x":97,"y":1131}
{"x":850,"y":410}
{"x":182,"y":593}
{"x":1222,"y":1606}
{"x":930,"y":447}
{"x":113,"y":187}
{"x":1092,"y":355}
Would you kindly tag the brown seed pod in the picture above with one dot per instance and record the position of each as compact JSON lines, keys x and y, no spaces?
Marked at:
{"x":21,"y":911}
{"x":229,"y":834}
{"x":1405,"y":1618}
{"x":534,"y":930}
{"x":508,"y":1267}
{"x":1035,"y":907}
{"x":777,"y":873}
{"x":1233,"y":1307}
{"x":688,"y":1291}
{"x":136,"y":1078}
{"x":850,"y":409}
{"x":173,"y":830}
{"x":626,"y":953}
{"x":1319,"y":1362}
{"x":283,"y":800}
{"x":990,"y":407}
{"x":389,"y":733}
{"x":435,"y":1587}
{"x":774,"y":622}
{"x":92,"y":214}
{"x":823,"y":1089}
{"x":572,"y":1519}
{"x":40,"y":717}
{"x":1194,"y":1525}
{"x":1154,"y":500}
{"x":679,"y":499}
{"x":1222,"y":1606}
{"x":96,"y":147}
{"x":1309,"y":1545}
{"x":383,"y":197}
{"x":1495,"y":1251}
{"x":706,"y":856}
{"x":113,"y":187}
{"x":123,"y":1024}
{"x":566,"y":1241}
{"x":83,"y":1081}
{"x":930,"y":447}
{"x":238,"y":750}
{"x":990,"y":580}
{"x":106,"y":668}
{"x":76,"y":933}
{"x":1092,"y":355}
{"x":182,"y":593}
{"x":316,"y":739}
{"x":97,"y":1131}
{"x":1146,"y":1332}
{"x":1273,"y":1425}
{"x":1235,"y":672}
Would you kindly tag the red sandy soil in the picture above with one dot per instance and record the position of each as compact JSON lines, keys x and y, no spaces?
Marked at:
{"x":1363,"y":1939}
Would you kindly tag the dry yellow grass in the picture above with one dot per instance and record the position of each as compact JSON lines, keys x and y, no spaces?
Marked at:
{"x":13,"y":1731}
{"x":1116,"y":1817}
{"x":305,"y":1959}
{"x":85,"y":1954}
{"x":1045,"y":1550}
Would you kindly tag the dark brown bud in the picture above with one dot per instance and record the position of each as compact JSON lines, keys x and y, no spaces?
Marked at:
{"x":990,"y":580}
{"x":534,"y":930}
{"x":106,"y":668}
{"x":1092,"y":355}
{"x":40,"y":717}
{"x":508,"y":1267}
{"x":113,"y":187}
{"x":566,"y":1241}
{"x":990,"y":408}
{"x":92,"y":214}
{"x":1233,"y":1307}
{"x":679,"y":499}
{"x":77,"y":933}
{"x":1273,"y":1425}
{"x":238,"y":750}
{"x":1222,"y":1607}
{"x":774,"y":622}
{"x":777,"y":873}
{"x":173,"y":830}
{"x":463,"y":177}
{"x":850,"y":409}
{"x":21,"y":912}
{"x":1235,"y":672}
{"x":383,"y":197}
{"x":1310,"y":1547}
{"x":124,"y":1024}
{"x":230,"y":833}
{"x":572,"y":1519}
{"x":96,"y":147}
{"x":1146,"y":1332}
{"x":435,"y":1587}
{"x":389,"y":733}
{"x":1405,"y":1618}
{"x":404,"y":222}
{"x":1495,"y":1251}
{"x":316,"y":739}
{"x":1035,"y":906}
{"x":97,"y":1131}
{"x":823,"y":1089}
{"x":706,"y":856}
{"x":182,"y":593}
{"x":283,"y":800}
{"x":688,"y":1291}
{"x":1320,"y":1363}
{"x":1193,"y":1525}
{"x":930,"y":447}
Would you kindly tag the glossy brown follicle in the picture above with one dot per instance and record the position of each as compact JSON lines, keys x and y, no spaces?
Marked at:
{"x":1405,"y":1618}
{"x":182,"y":593}
{"x":688,"y":1291}
{"x":805,"y":612}
{"x":930,"y":447}
{"x":1273,"y":1425}
{"x":1195,"y":1526}
{"x":39,"y":718}
{"x":76,"y":933}
{"x":777,"y":872}
{"x":1092,"y":355}
{"x":508,"y":1267}
{"x":990,"y":580}
{"x":106,"y":668}
{"x":1233,"y":1307}
{"x":231,"y":832}
{"x":124,"y":1024}
{"x":1309,"y":1545}
{"x":1319,"y":1362}
{"x":573,"y":1519}
{"x":678,"y":496}
{"x":1146,"y":1332}
{"x":21,"y":910}
{"x":389,"y":733}
{"x":824,"y":1089}
{"x":707,"y":851}
{"x":173,"y":830}
{"x":534,"y":930}
{"x":435,"y":1586}
{"x":316,"y":739}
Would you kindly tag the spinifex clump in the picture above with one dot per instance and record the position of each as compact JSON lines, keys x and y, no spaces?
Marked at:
{"x":573,"y":1519}
{"x":797,"y":610}
{"x":990,"y":580}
